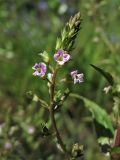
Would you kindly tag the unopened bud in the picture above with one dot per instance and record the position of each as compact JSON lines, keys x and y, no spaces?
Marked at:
{"x":78,"y":15}
{"x":77,"y":23}
{"x":71,"y":32}
{"x":58,"y":44}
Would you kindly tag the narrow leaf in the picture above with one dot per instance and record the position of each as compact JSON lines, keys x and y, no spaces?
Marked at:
{"x":98,"y":113}
{"x":105,"y":74}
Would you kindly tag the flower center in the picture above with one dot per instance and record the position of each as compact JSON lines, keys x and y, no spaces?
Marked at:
{"x":39,"y":70}
{"x":60,"y":58}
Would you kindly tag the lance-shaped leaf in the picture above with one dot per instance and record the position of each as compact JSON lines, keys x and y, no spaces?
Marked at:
{"x":98,"y":113}
{"x":105,"y":74}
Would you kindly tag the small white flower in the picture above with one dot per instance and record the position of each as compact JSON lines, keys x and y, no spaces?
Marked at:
{"x":49,"y":76}
{"x":78,"y":78}
{"x":107,"y":89}
{"x":7,"y":145}
{"x":31,"y":130}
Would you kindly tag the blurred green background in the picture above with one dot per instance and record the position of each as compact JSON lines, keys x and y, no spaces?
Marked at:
{"x":28,"y":27}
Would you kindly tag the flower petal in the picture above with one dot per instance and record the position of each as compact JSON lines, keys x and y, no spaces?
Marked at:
{"x":66,"y":57}
{"x":80,"y":77}
{"x":60,"y":62}
{"x":35,"y":66}
{"x":60,"y":52}
{"x":74,"y":73}
{"x":56,"y":56}
{"x":43,"y":67}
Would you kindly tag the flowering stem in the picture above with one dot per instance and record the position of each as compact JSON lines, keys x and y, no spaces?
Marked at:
{"x":59,"y":139}
{"x":53,"y":85}
{"x":57,"y":132}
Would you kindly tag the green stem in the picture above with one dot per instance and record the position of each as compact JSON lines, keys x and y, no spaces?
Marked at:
{"x":59,"y":139}
{"x":53,"y":85}
{"x":56,"y":130}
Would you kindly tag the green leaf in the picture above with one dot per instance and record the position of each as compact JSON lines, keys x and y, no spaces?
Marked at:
{"x":98,"y":113}
{"x":45,"y":56}
{"x":116,"y":150}
{"x":105,"y":74}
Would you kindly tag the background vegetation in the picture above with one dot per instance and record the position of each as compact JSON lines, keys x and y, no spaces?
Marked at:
{"x":29,"y":27}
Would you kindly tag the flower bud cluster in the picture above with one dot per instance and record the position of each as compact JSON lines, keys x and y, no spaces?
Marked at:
{"x":69,"y":33}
